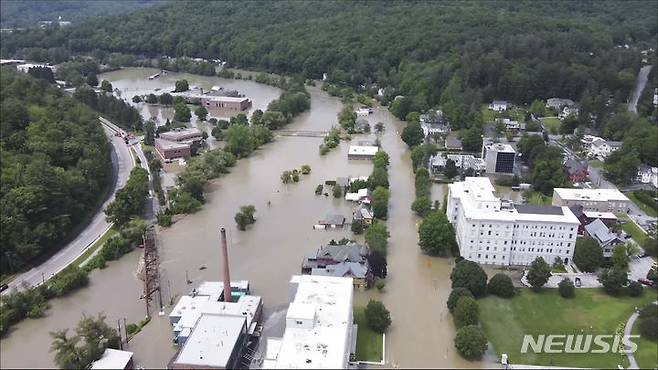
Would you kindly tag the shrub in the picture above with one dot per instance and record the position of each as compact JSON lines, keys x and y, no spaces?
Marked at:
{"x":318,"y":189}
{"x":454,"y":296}
{"x":501,"y":285}
{"x":306,"y":169}
{"x":566,"y":288}
{"x":470,"y":342}
{"x":357,"y":227}
{"x":634,"y":289}
{"x":380,"y":284}
{"x":338,"y":191}
{"x":377,"y":316}
{"x":539,"y":273}
{"x":466,"y":312}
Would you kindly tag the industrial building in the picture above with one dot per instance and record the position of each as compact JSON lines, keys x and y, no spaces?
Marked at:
{"x":362,"y":151}
{"x":490,"y":230}
{"x":319,"y":333}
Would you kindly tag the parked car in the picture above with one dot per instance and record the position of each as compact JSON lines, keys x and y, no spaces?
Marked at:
{"x":3,"y":287}
{"x":577,"y":282}
{"x":642,"y":255}
{"x":646,"y":282}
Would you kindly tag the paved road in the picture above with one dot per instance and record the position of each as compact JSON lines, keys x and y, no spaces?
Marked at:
{"x":641,"y":81}
{"x":122,"y":163}
{"x":627,"y":332}
{"x":152,"y":206}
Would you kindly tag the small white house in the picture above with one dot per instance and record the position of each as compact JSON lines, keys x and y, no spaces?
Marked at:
{"x":499,"y":105}
{"x":647,"y":175}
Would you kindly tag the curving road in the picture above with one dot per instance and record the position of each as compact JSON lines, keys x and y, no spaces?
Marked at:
{"x":641,"y":81}
{"x":122,"y":164}
{"x":628,"y":329}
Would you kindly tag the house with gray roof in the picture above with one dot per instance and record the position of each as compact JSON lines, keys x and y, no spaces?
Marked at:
{"x":349,"y":260}
{"x":606,"y":239}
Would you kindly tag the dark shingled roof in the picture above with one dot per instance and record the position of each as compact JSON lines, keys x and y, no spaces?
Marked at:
{"x":540,"y":210}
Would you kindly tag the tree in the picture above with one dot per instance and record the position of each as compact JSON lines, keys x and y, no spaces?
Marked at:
{"x":413,"y":134}
{"x":239,"y":140}
{"x":450,"y":169}
{"x":182,"y":113}
{"x":469,"y":275}
{"x":357,"y":227}
{"x":137,"y":99}
{"x":613,"y":280}
{"x":588,"y":255}
{"x":472,"y":139}
{"x":306,"y":169}
{"x":466,"y":312}
{"x":217,"y":133}
{"x":635,"y":289}
{"x":166,"y":99}
{"x":286,"y":177}
{"x":106,"y":86}
{"x":92,"y":337}
{"x":539,"y":273}
{"x":338,"y":191}
{"x":378,"y":178}
{"x":377,"y":263}
{"x":501,"y":285}
{"x":422,"y":206}
{"x":152,"y":99}
{"x":201,"y":112}
{"x":649,"y":328}
{"x":455,"y":295}
{"x":149,"y":133}
{"x":380,"y":202}
{"x":619,"y":258}
{"x":377,"y":316}
{"x":436,"y":235}
{"x":92,"y":80}
{"x":566,"y":288}
{"x":181,"y":85}
{"x":245,"y":217}
{"x":470,"y":342}
{"x":376,"y":237}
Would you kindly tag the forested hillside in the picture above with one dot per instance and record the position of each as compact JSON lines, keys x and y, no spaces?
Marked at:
{"x":55,"y":164}
{"x":501,"y":49}
{"x":26,"y":13}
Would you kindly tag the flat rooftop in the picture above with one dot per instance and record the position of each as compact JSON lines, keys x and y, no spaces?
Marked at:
{"x":170,"y":145}
{"x":599,"y":195}
{"x":231,"y":99}
{"x":212,"y":341}
{"x":328,"y":302}
{"x":181,"y":134}
{"x":363,"y":150}
{"x":113,"y":359}
{"x":479,"y":202}
{"x":501,"y":148}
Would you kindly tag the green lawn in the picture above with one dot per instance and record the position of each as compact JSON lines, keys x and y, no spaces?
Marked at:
{"x":99,"y":243}
{"x":506,"y":321}
{"x":647,"y":351}
{"x":552,"y":124}
{"x":648,"y":210}
{"x":537,"y":198}
{"x":369,"y":345}
{"x":631,"y":228}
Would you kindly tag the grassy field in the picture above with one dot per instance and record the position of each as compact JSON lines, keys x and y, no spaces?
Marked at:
{"x":647,"y":351}
{"x":99,"y":243}
{"x":537,"y":198}
{"x":631,"y":228}
{"x":369,"y":345}
{"x":506,"y":321}
{"x":648,"y":210}
{"x":552,"y":124}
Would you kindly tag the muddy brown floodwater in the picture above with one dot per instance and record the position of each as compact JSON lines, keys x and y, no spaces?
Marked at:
{"x":270,"y":251}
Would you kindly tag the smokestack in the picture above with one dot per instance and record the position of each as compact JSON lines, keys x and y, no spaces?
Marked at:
{"x":227,"y":276}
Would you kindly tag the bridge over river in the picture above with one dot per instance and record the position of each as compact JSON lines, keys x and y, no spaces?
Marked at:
{"x":302,"y":133}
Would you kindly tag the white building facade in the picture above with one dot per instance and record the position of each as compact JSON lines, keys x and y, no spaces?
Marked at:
{"x":493,"y":231}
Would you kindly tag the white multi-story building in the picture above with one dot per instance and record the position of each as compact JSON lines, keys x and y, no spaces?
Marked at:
{"x":490,"y":230}
{"x":320,"y":332}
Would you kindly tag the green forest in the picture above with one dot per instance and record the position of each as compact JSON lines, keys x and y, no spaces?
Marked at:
{"x":55,"y":167}
{"x":511,"y":50}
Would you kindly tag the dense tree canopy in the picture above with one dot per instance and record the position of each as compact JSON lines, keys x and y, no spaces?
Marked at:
{"x":500,"y":49}
{"x":55,"y":166}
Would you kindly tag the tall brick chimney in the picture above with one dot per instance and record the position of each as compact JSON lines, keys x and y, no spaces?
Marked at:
{"x":227,"y":275}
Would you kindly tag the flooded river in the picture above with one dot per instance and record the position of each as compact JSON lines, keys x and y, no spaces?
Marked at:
{"x":271,"y":250}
